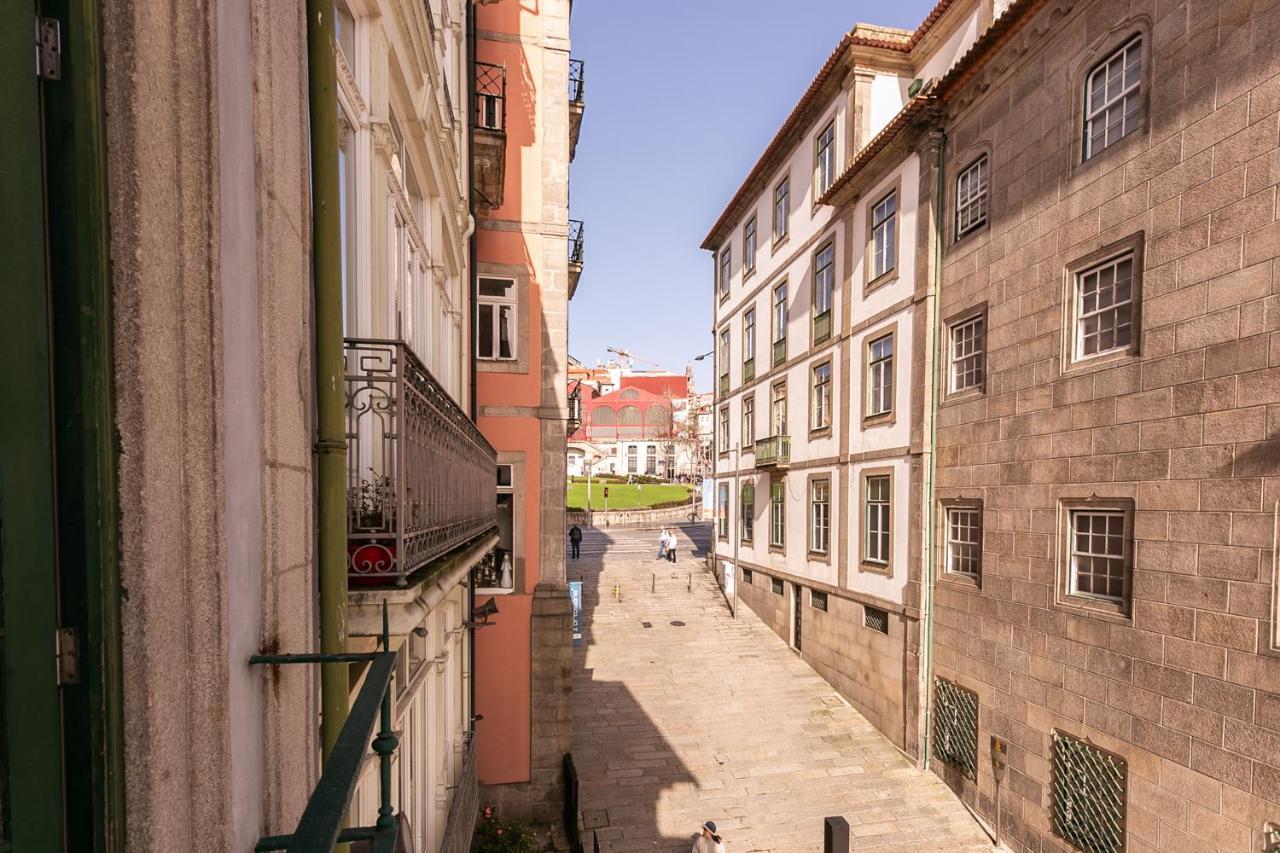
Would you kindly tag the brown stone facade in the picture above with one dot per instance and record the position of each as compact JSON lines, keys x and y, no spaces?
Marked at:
{"x":1174,"y":437}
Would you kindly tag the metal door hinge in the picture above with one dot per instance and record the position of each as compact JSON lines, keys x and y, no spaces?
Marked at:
{"x":67,"y":642}
{"x":48,"y":48}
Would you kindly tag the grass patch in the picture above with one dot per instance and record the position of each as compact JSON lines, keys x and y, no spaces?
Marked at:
{"x":622,"y":496}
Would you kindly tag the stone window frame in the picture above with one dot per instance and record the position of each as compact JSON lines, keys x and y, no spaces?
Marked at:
{"x":748,"y":576}
{"x":1134,"y":245}
{"x":774,"y":428}
{"x":482,"y":300}
{"x":818,"y":189}
{"x":523,"y":278}
{"x":749,"y":344}
{"x":973,"y":160}
{"x":745,"y":535}
{"x":871,"y":284}
{"x":724,"y":271}
{"x":959,"y":318}
{"x":781,"y":483}
{"x":816,"y":596}
{"x":826,"y":245}
{"x":891,"y":416}
{"x":723,"y":432}
{"x":778,"y":331}
{"x":516,"y":461}
{"x":749,"y":250}
{"x":747,"y":439}
{"x":1106,"y":44}
{"x":723,"y":501}
{"x":724,"y":360}
{"x":823,"y":430}
{"x":811,"y":481}
{"x":865,"y":565}
{"x":1063,"y":597}
{"x":780,"y":237}
{"x":944,"y":573}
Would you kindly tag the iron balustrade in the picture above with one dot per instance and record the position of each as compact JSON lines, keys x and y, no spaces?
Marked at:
{"x":420,"y":476}
{"x":491,"y":97}
{"x":577,"y":78}
{"x":461,"y":821}
{"x":576,"y":245}
{"x":773,"y":452}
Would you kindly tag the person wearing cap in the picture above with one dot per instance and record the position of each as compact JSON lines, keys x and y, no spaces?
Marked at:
{"x":707,"y":840}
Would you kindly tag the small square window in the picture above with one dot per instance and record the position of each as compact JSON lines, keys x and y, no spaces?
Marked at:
{"x":505,"y":477}
{"x":963,"y":555}
{"x":1099,"y":554}
{"x":968,"y":353}
{"x":1104,"y":307}
{"x":747,"y":577}
{"x":818,"y":600}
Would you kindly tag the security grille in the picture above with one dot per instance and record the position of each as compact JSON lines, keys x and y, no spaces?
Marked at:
{"x":875,"y":619}
{"x":955,"y":726}
{"x":1088,"y":795}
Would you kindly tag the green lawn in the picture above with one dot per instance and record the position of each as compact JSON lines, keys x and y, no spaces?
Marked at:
{"x":622,"y":496}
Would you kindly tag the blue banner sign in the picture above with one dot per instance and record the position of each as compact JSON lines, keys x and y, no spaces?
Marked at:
{"x":575,"y":601}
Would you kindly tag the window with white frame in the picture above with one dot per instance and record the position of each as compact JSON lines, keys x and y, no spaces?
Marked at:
{"x":724,"y":429}
{"x":344,"y":32}
{"x":748,"y":420}
{"x":749,"y":246}
{"x":968,"y":353}
{"x":781,"y":209}
{"x":824,"y":159}
{"x":971,"y":198}
{"x":748,"y":511}
{"x":779,"y":323}
{"x":1104,"y":307}
{"x":880,"y":376}
{"x":651,"y":460}
{"x":884,"y":235}
{"x":633,"y":457}
{"x":722,"y":519}
{"x":726,"y":259}
{"x":1113,"y":98}
{"x":876,"y":520}
{"x":749,"y":335}
{"x":964,"y":541}
{"x":823,"y":284}
{"x":820,"y":415}
{"x":819,"y":516}
{"x":779,"y":418}
{"x":496,"y":319}
{"x":778,"y":513}
{"x":1098,"y":553}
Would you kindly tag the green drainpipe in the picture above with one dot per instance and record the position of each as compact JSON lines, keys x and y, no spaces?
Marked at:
{"x":331,"y":443}
{"x":931,"y":465}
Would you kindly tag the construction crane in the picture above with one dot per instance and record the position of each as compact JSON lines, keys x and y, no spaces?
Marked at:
{"x":627,"y":357}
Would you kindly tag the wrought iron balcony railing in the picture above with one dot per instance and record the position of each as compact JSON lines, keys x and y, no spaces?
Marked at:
{"x":419,"y":473}
{"x":491,"y":97}
{"x":773,"y":452}
{"x":577,"y":79}
{"x":575,"y":241}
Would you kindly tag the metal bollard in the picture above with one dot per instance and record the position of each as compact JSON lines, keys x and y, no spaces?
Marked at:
{"x":690,"y":581}
{"x":653,"y":584}
{"x":835,"y":835}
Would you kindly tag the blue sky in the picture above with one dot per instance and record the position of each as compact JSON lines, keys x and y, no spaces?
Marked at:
{"x":681,"y":98}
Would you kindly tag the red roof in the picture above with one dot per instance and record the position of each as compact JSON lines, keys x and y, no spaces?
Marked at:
{"x":675,"y":384}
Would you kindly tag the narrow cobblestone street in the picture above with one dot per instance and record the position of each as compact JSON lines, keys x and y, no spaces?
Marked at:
{"x":684,"y":714}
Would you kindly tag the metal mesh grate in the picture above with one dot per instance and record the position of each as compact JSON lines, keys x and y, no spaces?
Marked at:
{"x":955,"y":726}
{"x":1088,"y":795}
{"x":875,"y":619}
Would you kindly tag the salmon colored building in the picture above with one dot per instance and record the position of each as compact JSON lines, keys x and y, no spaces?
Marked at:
{"x":528,"y":106}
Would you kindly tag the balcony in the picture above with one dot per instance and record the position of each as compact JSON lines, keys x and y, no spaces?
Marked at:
{"x":773,"y":452}
{"x":489,"y":135}
{"x":576,"y":104}
{"x":575,"y":254}
{"x":419,"y":473}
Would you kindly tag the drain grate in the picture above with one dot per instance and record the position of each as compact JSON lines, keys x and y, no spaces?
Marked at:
{"x":677,"y":623}
{"x":646,"y":624}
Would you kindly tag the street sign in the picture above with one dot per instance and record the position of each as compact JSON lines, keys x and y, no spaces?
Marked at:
{"x":575,"y":601}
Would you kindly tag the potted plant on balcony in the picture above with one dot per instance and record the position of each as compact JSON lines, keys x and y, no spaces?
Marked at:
{"x":371,"y":520}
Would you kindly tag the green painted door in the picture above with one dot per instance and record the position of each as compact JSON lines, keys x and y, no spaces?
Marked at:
{"x":31,"y":800}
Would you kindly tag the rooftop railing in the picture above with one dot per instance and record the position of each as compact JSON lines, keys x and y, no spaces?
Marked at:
{"x":576,"y":245}
{"x":577,"y":80}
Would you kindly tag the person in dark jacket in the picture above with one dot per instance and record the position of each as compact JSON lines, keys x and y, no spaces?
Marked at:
{"x":575,"y":541}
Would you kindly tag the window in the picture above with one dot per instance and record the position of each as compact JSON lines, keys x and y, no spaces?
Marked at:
{"x":496,"y":319}
{"x":1113,"y":98}
{"x":779,"y":324}
{"x":749,"y":246}
{"x":820,"y":410}
{"x":505,"y":473}
{"x":875,"y":619}
{"x":880,"y":376}
{"x":724,"y":360}
{"x":884,"y":236}
{"x":955,"y":726}
{"x":1098,"y":554}
{"x":782,"y":210}
{"x":747,"y":577}
{"x":1104,"y":307}
{"x":971,"y":198}
{"x":725,"y":265}
{"x":818,"y":600}
{"x":776,"y":585}
{"x":823,"y":284}
{"x":777,"y":514}
{"x":824,"y":156}
{"x":875,"y":548}
{"x":748,"y":421}
{"x":632,"y":457}
{"x":724,"y":429}
{"x":968,"y":353}
{"x":722,"y":519}
{"x":778,"y":421}
{"x":1087,"y":799}
{"x":651,"y":460}
{"x":748,"y":512}
{"x":964,"y":541}
{"x":819,"y":516}
{"x":344,"y":31}
{"x":748,"y":344}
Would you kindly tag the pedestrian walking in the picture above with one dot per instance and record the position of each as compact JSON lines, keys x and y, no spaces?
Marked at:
{"x":575,"y":541}
{"x":663,"y":541}
{"x":671,"y":547}
{"x":707,"y":841}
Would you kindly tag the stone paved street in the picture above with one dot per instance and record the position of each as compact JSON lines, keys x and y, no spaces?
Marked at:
{"x":683,"y":714}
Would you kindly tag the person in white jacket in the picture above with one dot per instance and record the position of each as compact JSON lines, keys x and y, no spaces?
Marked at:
{"x":707,"y":840}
